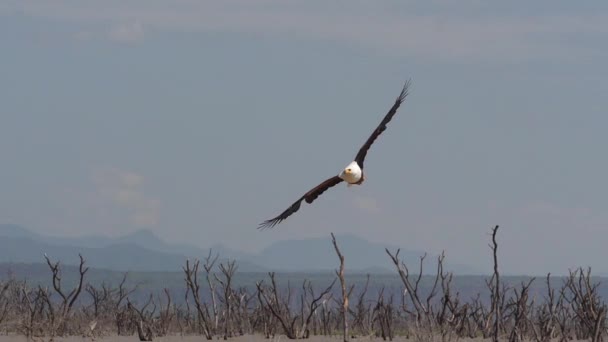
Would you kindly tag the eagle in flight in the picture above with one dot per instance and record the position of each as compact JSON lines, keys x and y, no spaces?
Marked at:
{"x":352,"y":174}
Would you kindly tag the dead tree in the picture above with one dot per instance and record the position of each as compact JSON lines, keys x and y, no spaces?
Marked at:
{"x":166,"y":315}
{"x":543,"y":322}
{"x":362,"y":320}
{"x":107,"y":304}
{"x":98,"y":296}
{"x":589,"y":310}
{"x":311,"y":305}
{"x":201,"y":307}
{"x":383,"y":315}
{"x":266,"y":315}
{"x":345,"y":293}
{"x":519,"y":307}
{"x":326,"y":316}
{"x":412,"y":290}
{"x":227,"y":272}
{"x":208,"y":266}
{"x":242,"y":299}
{"x":496,"y":295}
{"x":564,"y":315}
{"x":188,"y":321}
{"x":483,"y":318}
{"x":120,"y":311}
{"x":5,"y":302}
{"x":33,"y":306}
{"x":279,"y":308}
{"x":143,"y":319}
{"x":60,"y":317}
{"x":438,"y":276}
{"x":451,"y":316}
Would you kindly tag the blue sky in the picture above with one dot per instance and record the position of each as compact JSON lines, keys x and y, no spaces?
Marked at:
{"x":199,"y":119}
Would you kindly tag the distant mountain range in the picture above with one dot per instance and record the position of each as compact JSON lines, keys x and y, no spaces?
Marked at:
{"x":144,"y":251}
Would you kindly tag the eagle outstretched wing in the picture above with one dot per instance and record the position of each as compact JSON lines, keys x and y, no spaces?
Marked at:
{"x":382,"y":126}
{"x":315,"y":192}
{"x":309,"y":197}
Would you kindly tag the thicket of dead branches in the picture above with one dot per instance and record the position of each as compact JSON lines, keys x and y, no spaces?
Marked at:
{"x":213,"y":306}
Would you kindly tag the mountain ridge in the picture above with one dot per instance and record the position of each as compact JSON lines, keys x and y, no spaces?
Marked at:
{"x":142,"y":250}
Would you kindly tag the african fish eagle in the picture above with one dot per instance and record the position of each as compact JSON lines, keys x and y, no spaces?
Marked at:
{"x":352,"y":174}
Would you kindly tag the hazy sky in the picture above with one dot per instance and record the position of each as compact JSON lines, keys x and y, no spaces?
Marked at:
{"x":200,"y":119}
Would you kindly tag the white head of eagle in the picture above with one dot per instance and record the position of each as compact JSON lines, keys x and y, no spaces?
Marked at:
{"x":352,"y":173}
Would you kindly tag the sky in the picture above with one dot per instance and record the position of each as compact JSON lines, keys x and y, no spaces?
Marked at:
{"x":197,"y":120}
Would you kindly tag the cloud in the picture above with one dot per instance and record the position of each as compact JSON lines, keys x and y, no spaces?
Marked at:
{"x":366,"y":203}
{"x":126,"y":33}
{"x":436,"y":29}
{"x":123,"y":189}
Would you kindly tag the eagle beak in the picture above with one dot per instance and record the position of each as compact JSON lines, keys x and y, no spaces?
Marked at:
{"x":348,"y":170}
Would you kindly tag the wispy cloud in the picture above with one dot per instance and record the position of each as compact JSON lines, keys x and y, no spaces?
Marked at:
{"x":366,"y":203}
{"x":124,"y":189}
{"x":127,"y":33}
{"x":438,"y":30}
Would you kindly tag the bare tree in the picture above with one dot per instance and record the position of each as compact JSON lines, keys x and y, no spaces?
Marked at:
{"x":99,"y":296}
{"x":227,"y":272}
{"x":278,"y":307}
{"x":362,"y":316}
{"x":208,"y":266}
{"x":143,"y":319}
{"x":383,"y":315}
{"x":242,"y":300}
{"x":312,"y":305}
{"x":412,"y":290}
{"x":589,"y":310}
{"x":120,"y":311}
{"x":345,"y":293}
{"x":543,"y":323}
{"x":201,"y":307}
{"x":166,"y":315}
{"x":519,"y":307}
{"x":266,"y":314}
{"x":32,"y":322}
{"x":4,"y":300}
{"x":496,"y":296}
{"x":62,"y":314}
{"x":451,"y":317}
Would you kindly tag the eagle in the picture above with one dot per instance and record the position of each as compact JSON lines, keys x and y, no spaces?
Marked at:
{"x":352,"y":174}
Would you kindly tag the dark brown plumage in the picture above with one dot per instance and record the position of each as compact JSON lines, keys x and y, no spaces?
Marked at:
{"x":382,"y":126}
{"x":312,"y":195}
{"x":309,"y":197}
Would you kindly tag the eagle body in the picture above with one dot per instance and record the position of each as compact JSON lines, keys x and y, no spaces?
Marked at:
{"x":352,"y":174}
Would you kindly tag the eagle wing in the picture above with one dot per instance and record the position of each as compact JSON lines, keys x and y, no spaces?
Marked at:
{"x":309,"y":197}
{"x":382,"y":126}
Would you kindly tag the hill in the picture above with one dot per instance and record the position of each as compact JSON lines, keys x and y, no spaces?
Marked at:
{"x":144,"y":251}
